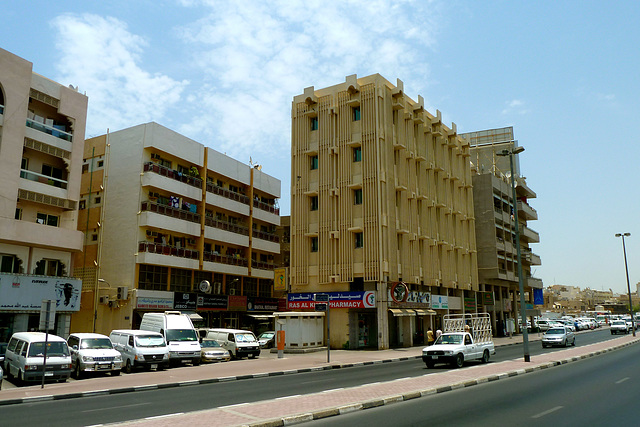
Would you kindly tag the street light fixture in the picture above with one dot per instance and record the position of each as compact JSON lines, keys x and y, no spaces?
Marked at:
{"x":626,"y":269}
{"x":523,"y":308}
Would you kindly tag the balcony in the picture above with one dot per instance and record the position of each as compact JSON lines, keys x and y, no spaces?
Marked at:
{"x":533,"y":282}
{"x":225,"y":259}
{"x":529,"y":235}
{"x":170,"y":211}
{"x":266,"y":207}
{"x":226,"y":226}
{"x":162,"y":249}
{"x":170,"y":173}
{"x":526,"y":211}
{"x":57,"y":131}
{"x":529,"y":257}
{"x":271,"y":237}
{"x":212,"y":188}
{"x":44,"y":179}
{"x":262,"y":265}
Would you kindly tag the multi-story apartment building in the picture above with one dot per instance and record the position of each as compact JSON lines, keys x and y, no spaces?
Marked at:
{"x":495,"y":226}
{"x":381,"y":213}
{"x":172,"y":224}
{"x":42,"y":125}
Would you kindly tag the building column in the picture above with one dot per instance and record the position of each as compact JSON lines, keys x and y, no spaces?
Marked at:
{"x":381,"y":312}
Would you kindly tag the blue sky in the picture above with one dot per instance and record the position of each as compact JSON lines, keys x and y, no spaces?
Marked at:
{"x":564,"y":74}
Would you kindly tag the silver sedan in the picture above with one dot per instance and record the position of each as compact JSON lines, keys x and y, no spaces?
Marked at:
{"x":561,"y":336}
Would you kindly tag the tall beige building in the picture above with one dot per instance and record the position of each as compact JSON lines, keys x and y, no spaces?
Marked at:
{"x":495,"y":226}
{"x":381,"y":213}
{"x":174,"y":225}
{"x":42,"y":126}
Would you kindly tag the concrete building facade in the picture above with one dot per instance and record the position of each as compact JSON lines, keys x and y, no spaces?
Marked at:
{"x":495,"y":226}
{"x":42,"y":126}
{"x":173,"y":224}
{"x":381,"y":213}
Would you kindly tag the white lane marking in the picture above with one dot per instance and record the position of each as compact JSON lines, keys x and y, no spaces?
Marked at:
{"x":115,"y":407}
{"x":542,"y":414}
{"x":622,"y":380}
{"x":287,"y":397}
{"x":332,"y":390}
{"x":164,"y":416}
{"x":233,"y":406}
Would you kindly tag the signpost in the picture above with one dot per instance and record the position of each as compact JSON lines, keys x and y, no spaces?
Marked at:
{"x":47,"y":321}
{"x":323,"y":299}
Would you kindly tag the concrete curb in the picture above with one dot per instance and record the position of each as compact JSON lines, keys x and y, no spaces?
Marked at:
{"x":330,"y":412}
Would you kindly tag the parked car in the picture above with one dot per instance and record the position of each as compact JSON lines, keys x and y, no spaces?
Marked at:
{"x":25,"y":357}
{"x":543,"y":325}
{"x":1,"y":376}
{"x":179,"y":333}
{"x":267,"y":339}
{"x":3,"y":350}
{"x":140,"y":349}
{"x":213,"y":352}
{"x":619,"y":327}
{"x":93,"y":353}
{"x":239,"y":342}
{"x":561,"y":336}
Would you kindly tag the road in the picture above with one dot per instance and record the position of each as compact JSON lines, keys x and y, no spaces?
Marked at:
{"x":123,"y":407}
{"x":599,"y":391}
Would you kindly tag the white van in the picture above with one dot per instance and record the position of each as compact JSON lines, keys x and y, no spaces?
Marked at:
{"x":239,"y":342}
{"x":93,"y":353}
{"x":179,"y":334}
{"x":140,"y":349}
{"x":25,"y":357}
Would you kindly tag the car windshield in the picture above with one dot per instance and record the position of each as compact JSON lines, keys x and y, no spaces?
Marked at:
{"x":181,"y":335}
{"x":555,"y":331}
{"x":449,"y":339}
{"x":618,"y":322}
{"x":266,"y":335}
{"x":245,"y":338}
{"x":210,"y":344}
{"x":54,"y":349}
{"x":150,"y":341}
{"x":97,"y":343}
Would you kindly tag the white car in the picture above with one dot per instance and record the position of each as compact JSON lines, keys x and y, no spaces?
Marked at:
{"x":93,"y":353}
{"x":619,"y":327}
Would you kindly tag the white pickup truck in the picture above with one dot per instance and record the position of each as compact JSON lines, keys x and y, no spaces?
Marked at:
{"x":466,"y":337}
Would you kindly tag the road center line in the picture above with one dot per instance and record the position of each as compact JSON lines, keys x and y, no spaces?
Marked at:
{"x":164,"y":416}
{"x":622,"y":380}
{"x":542,"y":414}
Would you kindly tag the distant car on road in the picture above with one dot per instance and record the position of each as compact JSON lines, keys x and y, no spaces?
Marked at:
{"x":619,"y":327}
{"x":267,"y":339}
{"x":561,"y":336}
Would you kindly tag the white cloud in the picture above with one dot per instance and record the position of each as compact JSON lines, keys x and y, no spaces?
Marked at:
{"x":102,"y":57}
{"x":515,"y":106}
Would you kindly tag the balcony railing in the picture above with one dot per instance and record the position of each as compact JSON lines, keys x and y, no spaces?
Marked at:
{"x":54,"y":130}
{"x":170,"y":173}
{"x":38,"y":177}
{"x":266,"y":207}
{"x":227,"y":226}
{"x":225,"y":259}
{"x":266,"y":236}
{"x":212,"y":188}
{"x":169,"y":211}
{"x":261,"y":265}
{"x":159,"y":248}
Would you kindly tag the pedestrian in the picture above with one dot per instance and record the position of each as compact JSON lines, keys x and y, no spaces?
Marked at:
{"x":430,"y":337}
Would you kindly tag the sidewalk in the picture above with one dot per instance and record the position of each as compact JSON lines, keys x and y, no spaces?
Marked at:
{"x":312,"y":406}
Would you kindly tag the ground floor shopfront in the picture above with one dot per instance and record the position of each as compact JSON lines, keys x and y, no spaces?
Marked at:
{"x":21,"y":297}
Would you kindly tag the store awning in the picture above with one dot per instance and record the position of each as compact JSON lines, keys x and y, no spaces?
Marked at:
{"x":195,"y":317}
{"x":425,"y":312}
{"x":262,"y":316}
{"x":402,"y":312}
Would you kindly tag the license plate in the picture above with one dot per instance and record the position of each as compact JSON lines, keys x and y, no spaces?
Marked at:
{"x":185,"y":361}
{"x":104,"y":366}
{"x":154,"y":366}
{"x":48,"y":374}
{"x":434,"y":357}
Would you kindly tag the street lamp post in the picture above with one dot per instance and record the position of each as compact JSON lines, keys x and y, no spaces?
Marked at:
{"x":523,"y":308}
{"x":626,"y":269}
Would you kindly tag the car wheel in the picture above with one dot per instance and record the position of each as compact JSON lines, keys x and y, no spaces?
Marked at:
{"x":566,"y":343}
{"x":429,"y":364}
{"x":459,"y":361}
{"x":485,"y":356}
{"x":196,"y":362}
{"x":544,"y":346}
{"x":115,"y":373}
{"x":574,"y":342}
{"x":20,"y":378}
{"x":78,"y":372}
{"x":127,"y":367}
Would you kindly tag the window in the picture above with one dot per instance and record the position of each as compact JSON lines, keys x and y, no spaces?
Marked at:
{"x":357,"y":196}
{"x":314,"y":162}
{"x":52,"y":171}
{"x":100,"y":163}
{"x":94,"y":237}
{"x":357,"y":154}
{"x":180,"y":280}
{"x":314,"y":203}
{"x":85,"y":168}
{"x":356,"y":114}
{"x":82,"y":205}
{"x":49,"y":267}
{"x":314,"y":244}
{"x":47,"y":219}
{"x":358,"y":240}
{"x":9,"y":264}
{"x":98,"y":200}
{"x":152,"y":277}
{"x":314,"y":123}
{"x":18,"y":213}
{"x":25,"y":164}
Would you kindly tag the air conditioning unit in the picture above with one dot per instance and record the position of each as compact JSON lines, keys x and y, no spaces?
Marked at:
{"x":104,"y":299}
{"x":123,"y":292}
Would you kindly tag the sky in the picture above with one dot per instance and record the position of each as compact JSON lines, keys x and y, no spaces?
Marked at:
{"x":564,"y":74}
